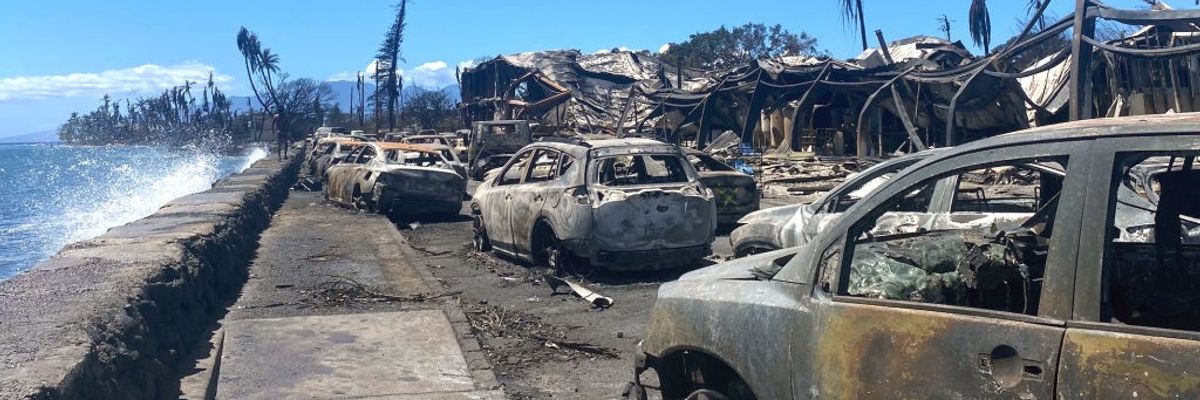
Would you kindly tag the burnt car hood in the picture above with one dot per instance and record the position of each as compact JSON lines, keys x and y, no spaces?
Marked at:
{"x":725,"y":178}
{"x":762,"y":266}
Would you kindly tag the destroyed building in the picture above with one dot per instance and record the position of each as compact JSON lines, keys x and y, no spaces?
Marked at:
{"x":913,"y":93}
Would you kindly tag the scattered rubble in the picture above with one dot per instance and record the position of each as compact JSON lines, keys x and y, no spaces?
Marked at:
{"x":596,"y":299}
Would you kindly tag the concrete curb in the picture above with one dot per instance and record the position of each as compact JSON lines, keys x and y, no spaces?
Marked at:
{"x":481,"y":369}
{"x":109,"y":317}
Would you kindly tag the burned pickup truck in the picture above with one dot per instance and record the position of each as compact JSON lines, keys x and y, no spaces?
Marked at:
{"x":1058,"y":290}
{"x":396,"y":178}
{"x":492,"y":143}
{"x":619,"y":204}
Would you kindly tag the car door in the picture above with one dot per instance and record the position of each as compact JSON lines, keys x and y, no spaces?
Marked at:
{"x":530,"y":197}
{"x":1135,"y":329}
{"x":498,"y":207}
{"x":339,"y":174}
{"x":362,"y":170}
{"x":942,"y":313}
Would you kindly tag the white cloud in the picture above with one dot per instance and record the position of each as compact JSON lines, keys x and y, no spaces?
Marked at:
{"x":664,"y":48}
{"x":432,"y":75}
{"x":610,"y":50}
{"x":142,"y":79}
{"x":343,"y":76}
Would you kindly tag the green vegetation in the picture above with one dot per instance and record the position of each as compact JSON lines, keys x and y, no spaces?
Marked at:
{"x":724,"y":48}
{"x":172,"y":118}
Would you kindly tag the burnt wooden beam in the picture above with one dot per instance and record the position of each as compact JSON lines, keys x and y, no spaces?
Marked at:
{"x":1081,"y":62}
{"x":883,"y":47}
{"x":1143,"y":17}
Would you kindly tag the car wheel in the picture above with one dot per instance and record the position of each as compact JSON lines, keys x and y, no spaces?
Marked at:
{"x":706,"y":394}
{"x":752,"y":249}
{"x":361,"y":201}
{"x":375,"y":204}
{"x":480,"y":240}
{"x":736,"y":390}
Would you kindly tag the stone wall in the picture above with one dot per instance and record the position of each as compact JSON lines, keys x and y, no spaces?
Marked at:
{"x":109,"y":317}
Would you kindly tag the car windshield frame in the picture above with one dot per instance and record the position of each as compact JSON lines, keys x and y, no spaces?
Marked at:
{"x":689,"y":172}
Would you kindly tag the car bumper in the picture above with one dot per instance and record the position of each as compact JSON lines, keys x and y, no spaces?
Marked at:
{"x":649,"y":260}
{"x":417,"y":204}
{"x":731,"y":214}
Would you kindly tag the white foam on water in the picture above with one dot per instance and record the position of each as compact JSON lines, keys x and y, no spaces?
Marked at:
{"x":109,"y":191}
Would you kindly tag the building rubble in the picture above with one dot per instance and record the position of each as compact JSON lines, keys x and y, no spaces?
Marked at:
{"x":792,"y":120}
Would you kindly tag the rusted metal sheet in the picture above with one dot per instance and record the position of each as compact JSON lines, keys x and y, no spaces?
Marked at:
{"x":1113,"y":365}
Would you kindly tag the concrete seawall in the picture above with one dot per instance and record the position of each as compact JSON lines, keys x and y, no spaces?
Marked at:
{"x":110,"y":317}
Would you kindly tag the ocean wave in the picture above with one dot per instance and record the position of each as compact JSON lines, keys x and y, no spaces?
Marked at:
{"x":67,"y":194}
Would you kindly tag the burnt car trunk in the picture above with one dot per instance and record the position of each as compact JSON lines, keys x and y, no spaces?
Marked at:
{"x":736,"y":194}
{"x":633,"y":227}
{"x":420,"y":190}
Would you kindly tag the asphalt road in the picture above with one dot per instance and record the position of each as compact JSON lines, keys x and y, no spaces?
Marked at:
{"x":542,"y":345}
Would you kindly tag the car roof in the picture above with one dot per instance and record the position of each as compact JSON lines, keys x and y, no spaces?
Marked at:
{"x":424,"y":148}
{"x":339,"y":139}
{"x":1098,"y":128}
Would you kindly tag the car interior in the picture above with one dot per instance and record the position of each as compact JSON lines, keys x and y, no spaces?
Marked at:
{"x":1153,"y":278}
{"x":988,"y":252}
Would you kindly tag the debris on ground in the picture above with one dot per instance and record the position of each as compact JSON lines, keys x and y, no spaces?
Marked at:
{"x":596,"y":299}
{"x":343,"y":290}
{"x":307,"y":184}
{"x":532,"y":339}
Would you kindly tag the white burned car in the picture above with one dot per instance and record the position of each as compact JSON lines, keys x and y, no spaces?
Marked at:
{"x":396,"y":178}
{"x":619,"y":204}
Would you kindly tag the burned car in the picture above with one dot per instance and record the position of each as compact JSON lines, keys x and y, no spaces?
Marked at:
{"x":330,"y":151}
{"x":1060,"y":303}
{"x":619,"y":204}
{"x":793,"y":225}
{"x":736,"y":193}
{"x":445,"y":140}
{"x":396,"y":178}
{"x":492,"y":143}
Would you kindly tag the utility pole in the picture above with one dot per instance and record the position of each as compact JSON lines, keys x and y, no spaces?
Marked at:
{"x":1081,"y":62}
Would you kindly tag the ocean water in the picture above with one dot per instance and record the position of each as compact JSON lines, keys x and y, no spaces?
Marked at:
{"x":54,"y":195}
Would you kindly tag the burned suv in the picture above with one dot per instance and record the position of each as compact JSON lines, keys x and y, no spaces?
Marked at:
{"x":1076,"y":278}
{"x":620,"y":204}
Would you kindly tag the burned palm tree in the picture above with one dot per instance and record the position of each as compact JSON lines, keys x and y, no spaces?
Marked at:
{"x":852,"y":11}
{"x":980,"y":24}
{"x":944,"y":26}
{"x":389,"y":54}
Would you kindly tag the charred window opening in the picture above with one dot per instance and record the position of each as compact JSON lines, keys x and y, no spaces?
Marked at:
{"x":640,"y":169}
{"x":1008,"y":189}
{"x":416,"y":159}
{"x":366,"y":155}
{"x":705,"y":163}
{"x":512,"y":175}
{"x":1152,"y":258}
{"x":545,"y":166}
{"x":991,"y":256}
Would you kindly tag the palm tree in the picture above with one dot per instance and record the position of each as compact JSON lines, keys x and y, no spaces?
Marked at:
{"x":250,"y":46}
{"x":389,"y":53}
{"x":852,"y":11}
{"x":980,"y":24}
{"x":944,"y":26}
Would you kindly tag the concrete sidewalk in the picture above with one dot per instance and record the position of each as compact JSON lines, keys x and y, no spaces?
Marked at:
{"x":334,"y":310}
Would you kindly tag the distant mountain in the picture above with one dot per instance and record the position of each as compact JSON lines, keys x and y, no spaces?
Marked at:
{"x":341,"y":95}
{"x":35,"y":137}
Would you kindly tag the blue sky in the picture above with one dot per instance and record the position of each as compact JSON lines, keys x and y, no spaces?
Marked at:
{"x":61,"y":56}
